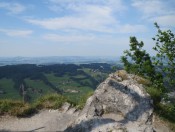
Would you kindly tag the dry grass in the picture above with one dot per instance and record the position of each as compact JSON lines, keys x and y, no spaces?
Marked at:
{"x":123,"y":74}
{"x":15,"y":108}
{"x":20,"y":109}
{"x":142,"y":80}
{"x":51,"y":101}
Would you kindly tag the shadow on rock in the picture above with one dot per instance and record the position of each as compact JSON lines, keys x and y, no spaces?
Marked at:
{"x":86,"y":126}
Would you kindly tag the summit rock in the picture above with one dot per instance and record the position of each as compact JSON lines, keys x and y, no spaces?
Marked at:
{"x":120,"y":103}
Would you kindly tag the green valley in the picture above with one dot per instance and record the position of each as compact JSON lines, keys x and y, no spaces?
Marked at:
{"x":27,"y":82}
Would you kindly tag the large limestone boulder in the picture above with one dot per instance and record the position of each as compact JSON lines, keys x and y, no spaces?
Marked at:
{"x":120,"y":103}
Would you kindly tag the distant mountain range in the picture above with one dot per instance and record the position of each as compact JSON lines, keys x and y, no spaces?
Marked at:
{"x":57,"y":60}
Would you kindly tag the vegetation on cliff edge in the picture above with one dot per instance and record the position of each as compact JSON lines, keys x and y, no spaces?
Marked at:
{"x":159,"y":70}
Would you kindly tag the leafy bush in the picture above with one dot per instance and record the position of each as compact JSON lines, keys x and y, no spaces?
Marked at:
{"x":159,"y":70}
{"x":166,"y":111}
{"x":138,"y":61}
{"x":165,"y":55}
{"x":155,"y":94}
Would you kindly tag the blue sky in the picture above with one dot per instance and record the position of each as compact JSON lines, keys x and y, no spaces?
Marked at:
{"x":80,"y":27}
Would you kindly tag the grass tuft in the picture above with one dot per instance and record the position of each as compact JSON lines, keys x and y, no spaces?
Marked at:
{"x":83,"y":100}
{"x":155,"y":94}
{"x":20,"y":109}
{"x":15,"y":108}
{"x":142,"y":80}
{"x":50,"y":101}
{"x":123,"y":74}
{"x":165,"y":111}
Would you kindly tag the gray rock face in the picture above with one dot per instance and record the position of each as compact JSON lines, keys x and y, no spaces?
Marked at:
{"x":118,"y":104}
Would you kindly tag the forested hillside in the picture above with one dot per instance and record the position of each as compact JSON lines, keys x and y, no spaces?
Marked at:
{"x":28,"y":81}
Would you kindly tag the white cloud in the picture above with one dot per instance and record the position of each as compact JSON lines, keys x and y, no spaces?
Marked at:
{"x":67,"y":38}
{"x":132,"y":28}
{"x":149,"y":7}
{"x":14,"y":8}
{"x":86,"y":15}
{"x":94,"y":18}
{"x":157,"y":11}
{"x":59,"y":5}
{"x":166,"y":20}
{"x":97,"y":17}
{"x":16,"y":33}
{"x":98,"y":23}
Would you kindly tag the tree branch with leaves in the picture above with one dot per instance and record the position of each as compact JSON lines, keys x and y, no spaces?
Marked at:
{"x":165,"y":57}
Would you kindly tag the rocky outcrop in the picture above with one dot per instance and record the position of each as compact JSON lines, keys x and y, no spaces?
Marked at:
{"x":120,"y":103}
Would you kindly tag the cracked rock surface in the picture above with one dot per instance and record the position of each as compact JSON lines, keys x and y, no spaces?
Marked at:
{"x":117,"y":105}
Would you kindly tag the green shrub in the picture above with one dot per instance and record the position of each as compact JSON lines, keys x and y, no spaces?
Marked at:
{"x":136,"y":60}
{"x":166,"y":111}
{"x":155,"y":94}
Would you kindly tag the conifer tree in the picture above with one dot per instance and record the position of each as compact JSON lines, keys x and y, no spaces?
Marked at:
{"x":137,"y":61}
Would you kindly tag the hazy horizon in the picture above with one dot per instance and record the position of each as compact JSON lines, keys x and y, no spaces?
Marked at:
{"x":58,"y":60}
{"x":54,"y":56}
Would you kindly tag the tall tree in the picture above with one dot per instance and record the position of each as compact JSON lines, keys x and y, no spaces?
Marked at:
{"x":137,"y":61}
{"x":165,"y":57}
